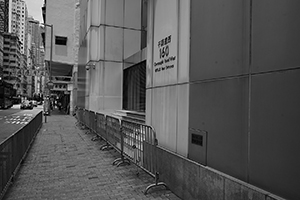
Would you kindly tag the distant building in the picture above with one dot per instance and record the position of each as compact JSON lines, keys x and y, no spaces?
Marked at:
{"x":12,"y":61}
{"x":64,"y":52}
{"x":35,"y":56}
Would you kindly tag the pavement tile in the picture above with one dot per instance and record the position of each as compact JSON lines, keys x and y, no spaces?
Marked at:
{"x":64,"y":163}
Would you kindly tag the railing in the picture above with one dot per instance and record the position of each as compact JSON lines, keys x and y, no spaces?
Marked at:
{"x":135,"y":142}
{"x":14,"y":149}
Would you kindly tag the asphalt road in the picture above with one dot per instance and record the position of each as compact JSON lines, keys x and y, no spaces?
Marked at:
{"x":12,"y":119}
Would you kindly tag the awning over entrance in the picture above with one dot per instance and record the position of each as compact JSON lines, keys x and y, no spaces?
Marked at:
{"x":61,"y":69}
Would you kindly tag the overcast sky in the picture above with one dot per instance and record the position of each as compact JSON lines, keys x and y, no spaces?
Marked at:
{"x":35,"y":9}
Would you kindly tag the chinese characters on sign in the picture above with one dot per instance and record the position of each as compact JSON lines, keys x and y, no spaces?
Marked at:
{"x":166,"y":61}
{"x":26,"y":72}
{"x":165,"y":43}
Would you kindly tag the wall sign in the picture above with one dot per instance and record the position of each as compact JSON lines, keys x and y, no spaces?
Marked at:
{"x":167,"y":61}
{"x":165,"y":42}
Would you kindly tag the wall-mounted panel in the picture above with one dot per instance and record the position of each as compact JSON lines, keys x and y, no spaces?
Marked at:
{"x":113,"y":44}
{"x":150,"y":47}
{"x":114,"y":13}
{"x":182,"y":119}
{"x":97,"y":12}
{"x":132,"y":42}
{"x":101,"y":43}
{"x":164,"y":116}
{"x":113,"y":73}
{"x":112,"y":103}
{"x":96,"y":74}
{"x":219,"y":38}
{"x":275,"y":150}
{"x":148,"y":106}
{"x":276,"y":41}
{"x":220,"y":110}
{"x":184,"y":42}
{"x":94,"y":42}
{"x":132,"y":18}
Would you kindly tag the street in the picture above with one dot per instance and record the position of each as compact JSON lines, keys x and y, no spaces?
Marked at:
{"x":14,"y":118}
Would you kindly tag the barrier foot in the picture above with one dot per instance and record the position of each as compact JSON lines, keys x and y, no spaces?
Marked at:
{"x":95,"y":138}
{"x":156,"y":184}
{"x":106,"y":147}
{"x":121,"y":161}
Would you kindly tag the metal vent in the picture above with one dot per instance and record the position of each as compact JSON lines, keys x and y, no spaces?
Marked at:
{"x":197,"y":139}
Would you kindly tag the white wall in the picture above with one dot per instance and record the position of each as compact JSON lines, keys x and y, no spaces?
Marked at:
{"x":167,"y":88}
{"x":113,"y":34}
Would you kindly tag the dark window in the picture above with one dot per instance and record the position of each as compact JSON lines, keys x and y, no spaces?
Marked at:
{"x":134,"y":88}
{"x":60,"y":40}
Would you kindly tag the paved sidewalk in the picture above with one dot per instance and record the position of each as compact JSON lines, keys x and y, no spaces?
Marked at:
{"x":64,"y":163}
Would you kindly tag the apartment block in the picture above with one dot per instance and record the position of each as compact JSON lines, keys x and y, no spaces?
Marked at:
{"x":12,"y":61}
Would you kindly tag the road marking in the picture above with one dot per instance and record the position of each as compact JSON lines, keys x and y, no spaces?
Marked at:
{"x":18,"y":119}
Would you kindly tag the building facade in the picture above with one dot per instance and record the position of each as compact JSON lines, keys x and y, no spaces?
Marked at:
{"x":221,"y":84}
{"x":62,"y":59}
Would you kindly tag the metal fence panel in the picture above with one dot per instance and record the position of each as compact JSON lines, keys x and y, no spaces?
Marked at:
{"x":113,"y":126}
{"x":14,"y":149}
{"x":84,"y":117}
{"x":101,"y":125}
{"x":133,"y":136}
{"x":92,"y":122}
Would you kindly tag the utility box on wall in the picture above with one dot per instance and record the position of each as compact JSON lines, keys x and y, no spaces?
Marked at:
{"x":198,"y":146}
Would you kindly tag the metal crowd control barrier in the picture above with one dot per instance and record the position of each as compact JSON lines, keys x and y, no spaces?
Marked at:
{"x":93,"y":124}
{"x":114,"y":138}
{"x":101,"y":125}
{"x":85,"y":117}
{"x":14,"y":149}
{"x":79,"y":115}
{"x":135,"y":142}
{"x":92,"y":118}
{"x":133,"y":138}
{"x":101,"y":130}
{"x":140,"y":146}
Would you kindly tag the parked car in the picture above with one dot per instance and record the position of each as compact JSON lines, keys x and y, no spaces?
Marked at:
{"x":34,"y":103}
{"x":26,"y":105}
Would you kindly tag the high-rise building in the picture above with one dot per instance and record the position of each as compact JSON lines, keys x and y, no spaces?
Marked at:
{"x":4,"y":15}
{"x":12,"y":61}
{"x":18,"y":21}
{"x":35,"y":57}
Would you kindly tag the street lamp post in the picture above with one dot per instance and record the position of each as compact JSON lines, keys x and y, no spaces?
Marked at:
{"x":47,"y":100}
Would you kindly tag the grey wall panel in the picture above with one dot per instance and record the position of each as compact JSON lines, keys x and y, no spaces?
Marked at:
{"x":275,"y":128}
{"x":81,"y":77}
{"x":275,"y":35}
{"x":219,"y":38}
{"x":220,"y":109}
